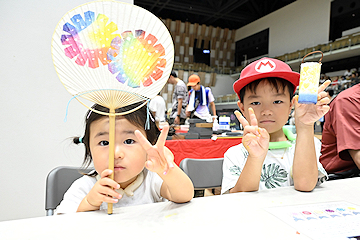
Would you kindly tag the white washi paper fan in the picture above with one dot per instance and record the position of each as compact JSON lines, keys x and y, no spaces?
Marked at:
{"x":113,"y":54}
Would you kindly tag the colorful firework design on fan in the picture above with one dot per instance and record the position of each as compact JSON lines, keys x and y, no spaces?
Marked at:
{"x":136,"y":59}
{"x":89,"y":39}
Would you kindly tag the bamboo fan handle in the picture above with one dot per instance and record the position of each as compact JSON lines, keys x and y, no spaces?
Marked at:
{"x":322,"y":55}
{"x":111,"y":149}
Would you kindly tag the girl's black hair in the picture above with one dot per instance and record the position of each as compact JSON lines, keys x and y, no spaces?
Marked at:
{"x":137,"y":118}
{"x":277,"y":83}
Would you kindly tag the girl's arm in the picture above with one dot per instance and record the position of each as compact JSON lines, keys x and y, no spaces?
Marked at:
{"x":101,"y":192}
{"x":177,"y":186}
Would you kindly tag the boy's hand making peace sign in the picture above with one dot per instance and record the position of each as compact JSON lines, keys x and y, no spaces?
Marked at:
{"x":255,"y":139}
{"x":159,"y":158}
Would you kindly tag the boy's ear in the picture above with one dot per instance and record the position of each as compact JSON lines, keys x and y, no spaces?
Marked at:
{"x":291,"y":104}
{"x":241,"y":107}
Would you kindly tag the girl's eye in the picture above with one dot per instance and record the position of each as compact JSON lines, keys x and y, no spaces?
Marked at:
{"x":278,"y":102}
{"x":104,"y":143}
{"x":255,"y":103}
{"x":129,"y":141}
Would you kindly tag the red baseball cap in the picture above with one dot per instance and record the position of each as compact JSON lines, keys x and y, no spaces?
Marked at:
{"x":264,"y":68}
{"x":193,"y":80}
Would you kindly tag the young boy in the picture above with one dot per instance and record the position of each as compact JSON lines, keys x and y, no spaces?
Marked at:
{"x":271,"y":156}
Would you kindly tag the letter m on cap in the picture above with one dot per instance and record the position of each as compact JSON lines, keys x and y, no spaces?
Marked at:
{"x":265,"y":65}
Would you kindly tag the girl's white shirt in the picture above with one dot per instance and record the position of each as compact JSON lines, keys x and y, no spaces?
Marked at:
{"x":148,"y":192}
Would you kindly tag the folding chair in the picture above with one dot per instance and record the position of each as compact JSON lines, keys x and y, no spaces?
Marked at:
{"x":58,"y":182}
{"x":204,"y":173}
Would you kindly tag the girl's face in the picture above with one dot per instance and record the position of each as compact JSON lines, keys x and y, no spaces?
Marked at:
{"x":271,"y":108}
{"x":130,"y":156}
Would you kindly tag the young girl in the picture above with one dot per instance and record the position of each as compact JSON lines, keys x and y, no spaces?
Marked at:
{"x":143,"y":172}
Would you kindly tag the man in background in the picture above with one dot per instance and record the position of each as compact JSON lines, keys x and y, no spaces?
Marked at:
{"x":179,"y":99}
{"x":330,"y":94}
{"x":340,"y":150}
{"x":200,"y":98}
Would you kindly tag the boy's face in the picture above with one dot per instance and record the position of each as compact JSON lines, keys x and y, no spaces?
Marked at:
{"x":196,"y":87}
{"x":271,"y":108}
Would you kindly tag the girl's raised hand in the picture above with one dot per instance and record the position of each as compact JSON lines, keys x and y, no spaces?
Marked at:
{"x":308,"y":114}
{"x":255,"y":139}
{"x":159,"y":158}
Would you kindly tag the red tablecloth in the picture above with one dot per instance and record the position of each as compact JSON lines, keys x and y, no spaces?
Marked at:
{"x":200,"y":148}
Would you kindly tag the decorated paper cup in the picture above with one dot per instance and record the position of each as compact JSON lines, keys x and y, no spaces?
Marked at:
{"x":309,"y":81}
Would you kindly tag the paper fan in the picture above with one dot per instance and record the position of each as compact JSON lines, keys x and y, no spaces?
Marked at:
{"x":113,"y":54}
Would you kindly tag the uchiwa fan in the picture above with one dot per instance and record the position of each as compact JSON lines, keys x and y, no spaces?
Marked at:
{"x":113,"y":54}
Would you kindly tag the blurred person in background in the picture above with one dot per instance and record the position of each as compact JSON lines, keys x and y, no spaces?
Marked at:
{"x":179,"y":100}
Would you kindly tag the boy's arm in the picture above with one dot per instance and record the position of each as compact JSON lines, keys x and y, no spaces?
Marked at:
{"x":305,"y":170}
{"x":213,"y":108}
{"x":249,"y":178}
{"x":256,"y":142}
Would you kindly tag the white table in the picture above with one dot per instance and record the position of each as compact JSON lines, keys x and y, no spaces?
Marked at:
{"x":232,"y":216}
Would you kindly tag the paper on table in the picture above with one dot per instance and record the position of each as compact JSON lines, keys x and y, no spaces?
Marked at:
{"x":329,"y":220}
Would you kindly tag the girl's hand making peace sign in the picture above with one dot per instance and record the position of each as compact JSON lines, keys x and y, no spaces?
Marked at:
{"x":255,"y":139}
{"x":159,"y":158}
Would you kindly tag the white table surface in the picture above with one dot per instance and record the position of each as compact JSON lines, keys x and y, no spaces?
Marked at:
{"x":232,"y":216}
